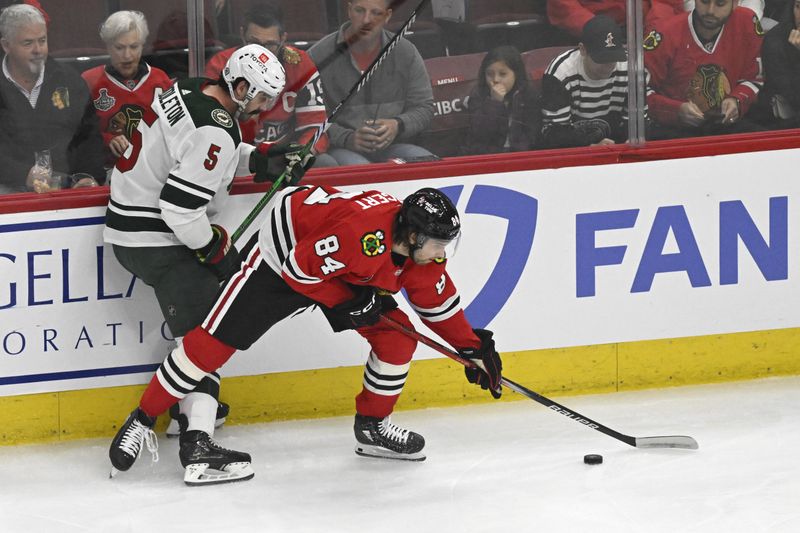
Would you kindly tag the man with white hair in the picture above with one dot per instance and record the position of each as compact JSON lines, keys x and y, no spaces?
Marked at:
{"x":43,"y":106}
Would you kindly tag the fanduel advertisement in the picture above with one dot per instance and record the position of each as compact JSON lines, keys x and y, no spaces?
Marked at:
{"x":548,"y":258}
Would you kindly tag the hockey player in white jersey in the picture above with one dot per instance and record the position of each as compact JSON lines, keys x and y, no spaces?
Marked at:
{"x":165,"y":191}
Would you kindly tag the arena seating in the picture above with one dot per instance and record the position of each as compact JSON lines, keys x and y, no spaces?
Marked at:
{"x":74,"y":32}
{"x":511,"y":22}
{"x":452,"y":79}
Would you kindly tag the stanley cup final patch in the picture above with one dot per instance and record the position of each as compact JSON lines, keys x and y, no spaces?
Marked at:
{"x":372,"y":243}
{"x":104,"y":101}
{"x":222,"y":117}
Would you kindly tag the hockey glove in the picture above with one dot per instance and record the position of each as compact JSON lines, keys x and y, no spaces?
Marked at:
{"x":489,"y":366}
{"x":269,"y":164}
{"x":219,"y":255}
{"x":363,"y":310}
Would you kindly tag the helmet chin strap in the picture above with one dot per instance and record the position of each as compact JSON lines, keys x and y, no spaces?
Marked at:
{"x":241,"y":104}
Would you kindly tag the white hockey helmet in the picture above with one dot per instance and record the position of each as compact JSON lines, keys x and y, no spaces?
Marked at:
{"x":260,"y":68}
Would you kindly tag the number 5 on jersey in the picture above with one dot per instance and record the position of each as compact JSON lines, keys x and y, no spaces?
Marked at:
{"x":324,"y":247}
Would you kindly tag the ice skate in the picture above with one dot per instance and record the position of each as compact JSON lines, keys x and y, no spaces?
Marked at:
{"x":127,"y":444}
{"x":378,"y":437}
{"x":208,"y":463}
{"x":174,"y":427}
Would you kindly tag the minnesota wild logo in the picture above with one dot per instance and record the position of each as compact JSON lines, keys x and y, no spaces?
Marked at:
{"x":372,"y":243}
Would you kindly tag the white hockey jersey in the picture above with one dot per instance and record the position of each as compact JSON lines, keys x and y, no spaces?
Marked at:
{"x":177,"y":171}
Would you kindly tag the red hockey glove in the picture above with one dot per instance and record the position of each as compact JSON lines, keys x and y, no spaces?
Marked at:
{"x":489,"y":366}
{"x":269,"y":163}
{"x":219,"y":255}
{"x":364,"y":309}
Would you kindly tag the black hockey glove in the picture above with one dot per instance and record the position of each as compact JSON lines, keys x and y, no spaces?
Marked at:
{"x":364,"y":309}
{"x":490,"y":367}
{"x":270,"y":165}
{"x":219,"y":255}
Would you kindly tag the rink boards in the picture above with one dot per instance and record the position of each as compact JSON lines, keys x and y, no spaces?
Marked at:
{"x":594,"y":279}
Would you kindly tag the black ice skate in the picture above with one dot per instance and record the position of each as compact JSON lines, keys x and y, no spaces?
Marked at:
{"x":208,"y":463}
{"x":127,"y":444}
{"x":174,"y":427}
{"x":378,"y":437}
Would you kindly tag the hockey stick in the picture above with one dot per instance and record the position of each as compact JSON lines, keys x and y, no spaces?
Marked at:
{"x":324,"y":126}
{"x":669,"y":441}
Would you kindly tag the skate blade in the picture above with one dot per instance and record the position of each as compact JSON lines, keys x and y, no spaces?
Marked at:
{"x":174,"y":429}
{"x":202,"y":474}
{"x":113,"y":473}
{"x":365,"y":450}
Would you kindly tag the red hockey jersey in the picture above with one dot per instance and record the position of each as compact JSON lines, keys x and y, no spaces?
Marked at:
{"x":572,"y":15}
{"x":120,"y":106}
{"x":674,"y":52}
{"x":320,"y":239}
{"x":299,"y":109}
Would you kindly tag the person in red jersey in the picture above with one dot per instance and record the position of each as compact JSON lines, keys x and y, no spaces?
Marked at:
{"x":124,"y":88}
{"x":705,"y":69}
{"x":572,"y":15}
{"x":300,"y":109}
{"x":345,"y":252}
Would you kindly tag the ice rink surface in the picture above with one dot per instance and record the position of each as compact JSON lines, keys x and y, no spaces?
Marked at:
{"x":490,"y":468}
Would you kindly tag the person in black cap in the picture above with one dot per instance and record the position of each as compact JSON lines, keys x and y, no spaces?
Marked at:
{"x":585,"y":90}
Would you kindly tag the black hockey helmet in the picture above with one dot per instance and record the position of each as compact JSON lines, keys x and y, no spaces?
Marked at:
{"x":430,"y":213}
{"x":431,"y":216}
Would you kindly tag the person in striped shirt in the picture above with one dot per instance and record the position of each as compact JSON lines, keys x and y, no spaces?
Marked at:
{"x":585,"y":90}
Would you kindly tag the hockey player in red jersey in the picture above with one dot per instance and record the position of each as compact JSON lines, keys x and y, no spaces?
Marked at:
{"x":300,"y":109}
{"x":345,"y":252}
{"x":124,"y":88}
{"x":705,"y":69}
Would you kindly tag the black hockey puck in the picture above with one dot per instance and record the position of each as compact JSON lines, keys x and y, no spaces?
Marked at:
{"x":593,"y":459}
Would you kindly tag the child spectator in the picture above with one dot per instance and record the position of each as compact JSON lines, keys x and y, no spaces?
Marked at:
{"x":503,"y":112}
{"x":585,"y":90}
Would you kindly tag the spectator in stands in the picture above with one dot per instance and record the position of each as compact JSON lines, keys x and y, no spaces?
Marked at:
{"x":300,"y":109}
{"x":43,"y":106}
{"x":703,"y":80}
{"x":585,"y":90}
{"x":781,"y":54}
{"x":379,"y":122}
{"x":503,"y":110}
{"x":124,"y":88}
{"x":572,"y":15}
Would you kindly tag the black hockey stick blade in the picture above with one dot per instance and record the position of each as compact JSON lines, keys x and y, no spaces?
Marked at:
{"x":674,"y":441}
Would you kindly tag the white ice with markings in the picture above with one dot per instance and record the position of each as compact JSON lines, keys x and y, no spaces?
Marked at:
{"x":490,"y":468}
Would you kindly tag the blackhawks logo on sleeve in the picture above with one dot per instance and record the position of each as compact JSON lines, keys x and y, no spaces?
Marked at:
{"x":652,"y":41}
{"x":372,"y":243}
